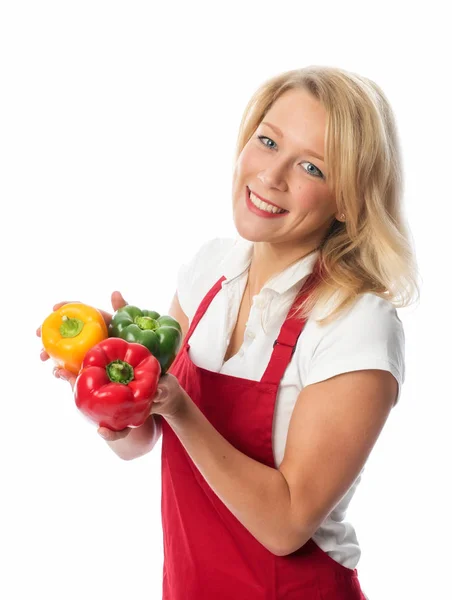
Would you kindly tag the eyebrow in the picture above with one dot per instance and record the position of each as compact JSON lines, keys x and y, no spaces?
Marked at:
{"x":280,"y":133}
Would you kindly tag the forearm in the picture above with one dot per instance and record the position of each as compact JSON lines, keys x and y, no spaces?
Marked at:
{"x":257,"y":495}
{"x":139,"y":441}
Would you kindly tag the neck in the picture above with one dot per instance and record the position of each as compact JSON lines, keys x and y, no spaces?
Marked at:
{"x":269,"y":259}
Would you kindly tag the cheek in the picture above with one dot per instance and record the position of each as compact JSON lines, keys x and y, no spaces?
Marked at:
{"x":309,"y":197}
{"x":242,"y":172}
{"x":249,"y":161}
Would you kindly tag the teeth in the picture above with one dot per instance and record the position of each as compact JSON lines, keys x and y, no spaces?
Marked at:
{"x":264,"y":206}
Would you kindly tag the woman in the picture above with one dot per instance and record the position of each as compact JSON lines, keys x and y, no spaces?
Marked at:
{"x":293,"y":353}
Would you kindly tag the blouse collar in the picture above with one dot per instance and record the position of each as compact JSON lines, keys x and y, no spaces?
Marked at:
{"x":238,"y":260}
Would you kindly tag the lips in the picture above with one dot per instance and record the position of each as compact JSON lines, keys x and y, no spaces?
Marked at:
{"x":265,"y":200}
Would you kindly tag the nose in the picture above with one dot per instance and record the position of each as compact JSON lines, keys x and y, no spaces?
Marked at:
{"x":272,"y":177}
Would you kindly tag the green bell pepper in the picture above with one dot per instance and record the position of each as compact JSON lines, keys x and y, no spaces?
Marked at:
{"x":162,"y":335}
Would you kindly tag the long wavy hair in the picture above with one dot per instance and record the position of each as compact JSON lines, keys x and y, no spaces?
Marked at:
{"x":373,"y":250}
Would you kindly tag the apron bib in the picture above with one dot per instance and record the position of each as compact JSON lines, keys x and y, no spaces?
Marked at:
{"x":208,"y":553}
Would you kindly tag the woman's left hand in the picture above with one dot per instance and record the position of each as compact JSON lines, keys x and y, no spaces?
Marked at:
{"x":170,"y":398}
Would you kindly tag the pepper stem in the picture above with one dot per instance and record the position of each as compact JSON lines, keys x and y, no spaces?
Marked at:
{"x":70,"y":328}
{"x":146,"y":322}
{"x":120,"y":372}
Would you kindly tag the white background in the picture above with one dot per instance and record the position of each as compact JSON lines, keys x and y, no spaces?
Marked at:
{"x":118,"y":124}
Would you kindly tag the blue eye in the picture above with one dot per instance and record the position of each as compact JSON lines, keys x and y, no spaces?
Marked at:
{"x":316,"y":173}
{"x":320,"y":174}
{"x":264,"y":137}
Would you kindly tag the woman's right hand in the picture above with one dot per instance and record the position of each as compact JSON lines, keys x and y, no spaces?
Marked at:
{"x":117,"y":301}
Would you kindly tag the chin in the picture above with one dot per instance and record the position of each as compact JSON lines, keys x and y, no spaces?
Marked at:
{"x":248,"y":232}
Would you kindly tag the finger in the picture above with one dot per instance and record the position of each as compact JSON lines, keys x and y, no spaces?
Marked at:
{"x":117,"y":300}
{"x":156,"y":400}
{"x":65,"y":375}
{"x":106,"y":316}
{"x":44,"y":355}
{"x":156,"y":408}
{"x":111,"y":436}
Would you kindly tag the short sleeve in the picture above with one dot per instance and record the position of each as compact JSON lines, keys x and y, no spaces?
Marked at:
{"x":369,"y":335}
{"x":197,"y":274}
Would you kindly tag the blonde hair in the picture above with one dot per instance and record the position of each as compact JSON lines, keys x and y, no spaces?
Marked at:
{"x":372,"y":251}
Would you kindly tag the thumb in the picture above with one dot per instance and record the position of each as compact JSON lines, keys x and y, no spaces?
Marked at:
{"x":111,"y":436}
{"x":117,"y":300}
{"x":158,"y":395}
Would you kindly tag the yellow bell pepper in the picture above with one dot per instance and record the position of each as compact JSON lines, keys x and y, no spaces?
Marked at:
{"x":69,"y":332}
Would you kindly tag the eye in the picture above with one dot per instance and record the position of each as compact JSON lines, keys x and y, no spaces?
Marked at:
{"x":315,"y":173}
{"x":263,"y":137}
{"x":317,"y":170}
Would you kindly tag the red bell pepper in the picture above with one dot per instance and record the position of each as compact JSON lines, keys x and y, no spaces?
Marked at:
{"x":117,"y":383}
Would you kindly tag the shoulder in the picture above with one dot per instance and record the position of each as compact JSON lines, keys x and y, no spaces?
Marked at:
{"x":367,"y":335}
{"x":200,"y":270}
{"x":369,"y":314}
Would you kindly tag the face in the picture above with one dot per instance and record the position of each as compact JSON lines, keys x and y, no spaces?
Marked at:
{"x":283,"y":164}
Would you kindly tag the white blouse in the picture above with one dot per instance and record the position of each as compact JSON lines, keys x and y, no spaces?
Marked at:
{"x":369,"y":335}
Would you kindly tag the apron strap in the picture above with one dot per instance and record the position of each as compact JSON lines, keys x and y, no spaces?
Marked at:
{"x":284,"y":346}
{"x":204,"y":306}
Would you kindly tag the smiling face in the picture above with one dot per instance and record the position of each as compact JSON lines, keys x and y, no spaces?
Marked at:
{"x":283,"y":164}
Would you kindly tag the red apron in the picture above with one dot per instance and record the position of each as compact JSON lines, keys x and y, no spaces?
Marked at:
{"x":208,"y":553}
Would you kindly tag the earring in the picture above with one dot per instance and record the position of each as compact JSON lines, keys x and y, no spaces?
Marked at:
{"x":342,"y":217}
